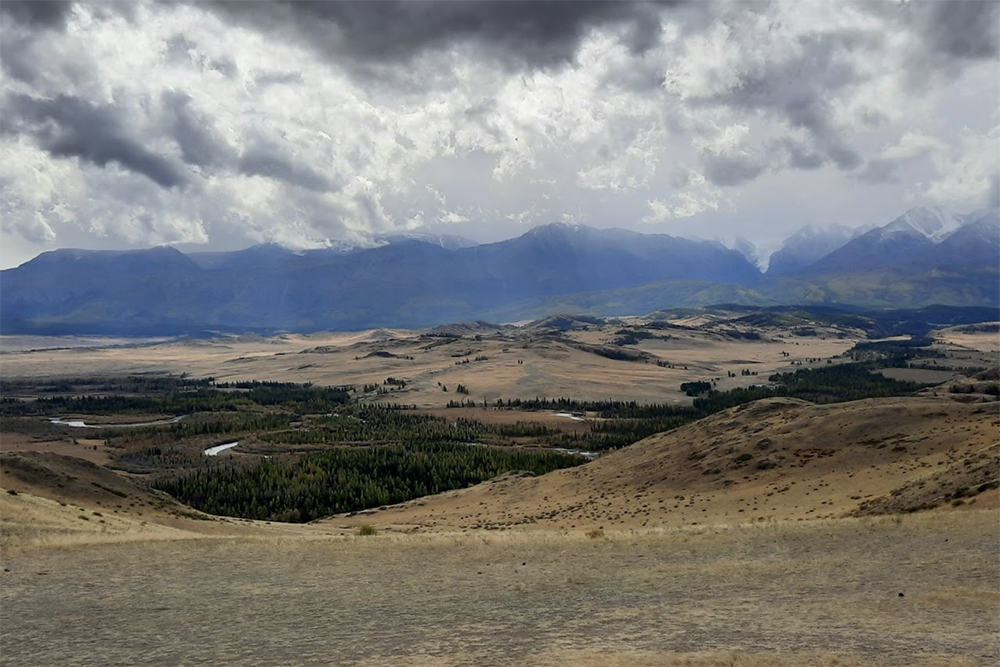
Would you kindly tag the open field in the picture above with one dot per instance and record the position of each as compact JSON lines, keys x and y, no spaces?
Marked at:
{"x":814,"y":593}
{"x":517,"y":364}
{"x":777,"y":532}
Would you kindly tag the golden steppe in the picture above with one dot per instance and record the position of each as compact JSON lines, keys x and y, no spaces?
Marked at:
{"x":549,"y":365}
{"x":777,"y":533}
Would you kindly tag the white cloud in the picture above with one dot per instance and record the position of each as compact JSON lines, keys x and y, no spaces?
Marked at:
{"x":699,"y":197}
{"x":967,"y":172}
{"x":913,"y":145}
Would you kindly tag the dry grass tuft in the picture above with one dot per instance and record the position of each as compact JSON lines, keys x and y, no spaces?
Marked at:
{"x":578,"y":658}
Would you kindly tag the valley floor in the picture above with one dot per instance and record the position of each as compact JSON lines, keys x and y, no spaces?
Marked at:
{"x":778,"y":533}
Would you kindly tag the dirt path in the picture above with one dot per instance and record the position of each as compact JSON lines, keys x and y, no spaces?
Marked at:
{"x":819,"y":592}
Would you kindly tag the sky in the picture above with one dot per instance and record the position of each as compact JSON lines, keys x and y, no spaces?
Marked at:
{"x":220,"y":125}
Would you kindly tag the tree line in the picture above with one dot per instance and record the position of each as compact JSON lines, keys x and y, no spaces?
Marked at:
{"x":349,"y":479}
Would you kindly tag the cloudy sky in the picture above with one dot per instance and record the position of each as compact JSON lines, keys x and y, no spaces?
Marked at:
{"x":218,"y":125}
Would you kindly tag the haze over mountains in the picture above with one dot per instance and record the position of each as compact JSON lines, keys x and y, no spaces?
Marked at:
{"x":924,"y":257}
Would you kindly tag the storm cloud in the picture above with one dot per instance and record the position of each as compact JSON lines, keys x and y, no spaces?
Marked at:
{"x":268,"y":160}
{"x":43,"y":14}
{"x":968,"y":29}
{"x":307,"y":123}
{"x":70,"y":127}
{"x":193,"y":132}
{"x":531,"y":32}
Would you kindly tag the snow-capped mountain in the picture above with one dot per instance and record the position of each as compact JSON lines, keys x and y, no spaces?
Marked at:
{"x":933,"y":223}
{"x":446,"y":241}
{"x":807,"y":246}
{"x":754,"y":253}
{"x":917,"y":239}
{"x":977,"y":240}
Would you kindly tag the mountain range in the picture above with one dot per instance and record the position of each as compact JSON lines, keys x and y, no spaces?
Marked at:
{"x":926,"y":256}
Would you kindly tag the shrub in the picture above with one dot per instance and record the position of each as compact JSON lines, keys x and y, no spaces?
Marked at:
{"x":367,"y":529}
{"x":595,"y":534}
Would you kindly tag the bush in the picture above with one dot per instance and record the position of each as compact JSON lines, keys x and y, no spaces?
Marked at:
{"x":367,"y":529}
{"x":595,"y":534}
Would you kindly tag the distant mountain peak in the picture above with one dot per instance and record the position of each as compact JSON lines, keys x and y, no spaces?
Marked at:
{"x":556,"y":227}
{"x":932,"y":222}
{"x":808,"y":245}
{"x":446,"y":241}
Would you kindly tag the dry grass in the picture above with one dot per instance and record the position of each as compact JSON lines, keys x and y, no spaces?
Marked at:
{"x":821,"y":462}
{"x":549,"y":368}
{"x":719,"y":659}
{"x":787,"y":593}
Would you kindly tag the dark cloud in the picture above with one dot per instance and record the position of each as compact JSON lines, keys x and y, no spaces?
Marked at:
{"x":993,"y":192}
{"x":800,"y":156}
{"x":16,"y":55}
{"x":879,"y":171}
{"x":644,"y":29}
{"x":49,"y":14}
{"x":533,"y":32}
{"x":263,"y":158}
{"x":843,"y":156}
{"x":965,"y":30}
{"x":799,"y":90}
{"x":54,"y":14}
{"x":192,"y":132}
{"x":724,"y":170}
{"x":72,"y":127}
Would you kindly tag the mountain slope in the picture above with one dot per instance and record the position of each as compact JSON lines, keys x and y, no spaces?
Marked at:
{"x":976,"y":241}
{"x":878,"y":248}
{"x":807,"y":246}
{"x":775,"y":459}
{"x":917,"y":240}
{"x":405,"y":282}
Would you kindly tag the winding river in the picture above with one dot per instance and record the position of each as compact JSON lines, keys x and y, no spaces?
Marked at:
{"x":83,"y":424}
{"x":214,"y":451}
